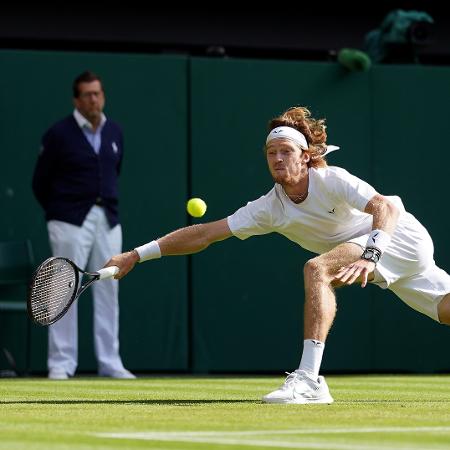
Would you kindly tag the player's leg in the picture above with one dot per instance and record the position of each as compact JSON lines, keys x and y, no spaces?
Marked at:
{"x":305,"y":385}
{"x":320,"y":302}
{"x":69,"y":241}
{"x":108,"y":241}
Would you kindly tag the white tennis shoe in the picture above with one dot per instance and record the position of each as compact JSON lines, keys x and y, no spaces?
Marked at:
{"x":299,"y":388}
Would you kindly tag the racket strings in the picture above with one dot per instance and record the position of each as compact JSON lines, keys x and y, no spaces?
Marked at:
{"x":52,"y":290}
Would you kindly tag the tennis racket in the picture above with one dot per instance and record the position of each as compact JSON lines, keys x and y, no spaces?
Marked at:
{"x":56,"y":285}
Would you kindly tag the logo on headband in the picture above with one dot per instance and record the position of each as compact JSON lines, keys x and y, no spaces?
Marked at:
{"x":288,"y":133}
{"x":300,"y":139}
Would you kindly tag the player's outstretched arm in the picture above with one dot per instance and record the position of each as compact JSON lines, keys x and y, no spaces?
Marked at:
{"x":194,"y":238}
{"x":184,"y":241}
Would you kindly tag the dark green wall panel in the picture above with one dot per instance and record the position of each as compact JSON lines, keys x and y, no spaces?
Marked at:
{"x":197,"y":126}
{"x":147,"y":96}
{"x":248,"y":296}
{"x":409,"y":122}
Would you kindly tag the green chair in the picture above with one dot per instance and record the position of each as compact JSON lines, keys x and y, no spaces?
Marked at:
{"x":16,"y":268}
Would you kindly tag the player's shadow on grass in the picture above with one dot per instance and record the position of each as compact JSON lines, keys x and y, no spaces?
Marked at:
{"x":346,"y":402}
{"x":193,"y":402}
{"x":123,"y":402}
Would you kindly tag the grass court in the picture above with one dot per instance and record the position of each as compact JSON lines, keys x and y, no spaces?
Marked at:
{"x":218,"y":412}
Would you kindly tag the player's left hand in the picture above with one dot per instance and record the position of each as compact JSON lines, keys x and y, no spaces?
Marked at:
{"x":360,"y":268}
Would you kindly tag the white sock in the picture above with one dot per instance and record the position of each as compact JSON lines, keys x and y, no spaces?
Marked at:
{"x":312,"y":357}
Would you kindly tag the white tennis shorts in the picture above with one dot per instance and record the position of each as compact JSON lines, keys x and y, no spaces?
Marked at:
{"x":408,"y":269}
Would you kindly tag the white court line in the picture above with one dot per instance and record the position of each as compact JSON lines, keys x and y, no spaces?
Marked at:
{"x":305,"y":445}
{"x":154,"y":434}
{"x":235,"y":437}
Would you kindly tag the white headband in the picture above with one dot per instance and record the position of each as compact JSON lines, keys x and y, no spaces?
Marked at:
{"x":296,"y":136}
{"x":288,"y":133}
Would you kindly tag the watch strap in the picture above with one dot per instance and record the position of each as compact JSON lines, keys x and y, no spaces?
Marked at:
{"x":371,"y":254}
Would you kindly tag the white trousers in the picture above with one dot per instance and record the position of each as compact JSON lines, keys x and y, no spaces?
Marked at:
{"x":89,"y":247}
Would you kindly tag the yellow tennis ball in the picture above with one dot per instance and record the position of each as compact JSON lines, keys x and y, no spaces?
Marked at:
{"x":196,"y":207}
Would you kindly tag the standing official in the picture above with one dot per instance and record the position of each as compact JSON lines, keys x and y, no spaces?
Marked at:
{"x":76,"y":182}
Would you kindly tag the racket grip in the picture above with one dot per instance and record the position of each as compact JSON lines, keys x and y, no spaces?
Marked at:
{"x":107,"y":272}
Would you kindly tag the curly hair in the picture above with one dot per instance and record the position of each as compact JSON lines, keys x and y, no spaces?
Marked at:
{"x":299,"y":117}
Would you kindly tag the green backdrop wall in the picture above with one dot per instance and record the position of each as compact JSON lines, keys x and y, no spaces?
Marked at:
{"x":248,"y":313}
{"x":147,"y":95}
{"x":390,"y":124}
{"x":196,"y":127}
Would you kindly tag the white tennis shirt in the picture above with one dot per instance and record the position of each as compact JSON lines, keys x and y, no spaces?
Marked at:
{"x":332,"y":213}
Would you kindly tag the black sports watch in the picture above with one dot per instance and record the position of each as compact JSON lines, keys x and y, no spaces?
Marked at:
{"x":371,"y":254}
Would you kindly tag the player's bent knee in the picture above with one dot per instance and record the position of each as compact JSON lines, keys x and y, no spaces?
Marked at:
{"x":315,"y":271}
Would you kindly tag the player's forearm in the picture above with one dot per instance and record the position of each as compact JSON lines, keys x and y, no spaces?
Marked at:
{"x":194,"y":238}
{"x":184,"y":241}
{"x":385,"y":217}
{"x":181,"y":242}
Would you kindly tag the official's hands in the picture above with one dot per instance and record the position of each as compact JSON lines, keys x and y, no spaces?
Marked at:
{"x":125,"y":262}
{"x":348,"y":274}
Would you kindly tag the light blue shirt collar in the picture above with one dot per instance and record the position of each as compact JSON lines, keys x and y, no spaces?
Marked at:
{"x":84,"y":123}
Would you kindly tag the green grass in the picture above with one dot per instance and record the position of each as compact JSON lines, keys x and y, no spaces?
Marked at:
{"x":369,"y":413}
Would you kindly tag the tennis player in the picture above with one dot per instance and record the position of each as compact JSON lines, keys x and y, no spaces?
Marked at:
{"x":360,"y":236}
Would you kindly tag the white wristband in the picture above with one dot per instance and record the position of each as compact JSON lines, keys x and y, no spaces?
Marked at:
{"x":379,"y":239}
{"x":148,"y":251}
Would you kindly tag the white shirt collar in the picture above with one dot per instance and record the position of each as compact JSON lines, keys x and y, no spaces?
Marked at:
{"x":84,"y":123}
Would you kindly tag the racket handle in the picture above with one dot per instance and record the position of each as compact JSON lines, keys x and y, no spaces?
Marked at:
{"x":107,"y":272}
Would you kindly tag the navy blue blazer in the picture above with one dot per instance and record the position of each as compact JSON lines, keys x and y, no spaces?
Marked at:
{"x":70,"y":177}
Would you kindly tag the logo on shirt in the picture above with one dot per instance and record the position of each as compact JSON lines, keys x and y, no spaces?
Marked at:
{"x":114,"y":147}
{"x":332,"y":211}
